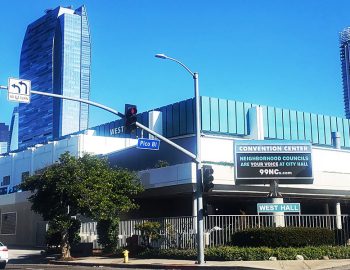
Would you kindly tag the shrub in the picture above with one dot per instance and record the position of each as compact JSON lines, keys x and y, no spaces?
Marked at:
{"x":181,"y":254}
{"x":150,"y":231}
{"x":283,"y":237}
{"x":234,"y":253}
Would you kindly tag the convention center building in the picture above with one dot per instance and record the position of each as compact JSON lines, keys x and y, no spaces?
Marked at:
{"x":247,"y":145}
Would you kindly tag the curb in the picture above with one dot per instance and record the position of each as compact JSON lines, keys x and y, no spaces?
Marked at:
{"x":153,"y":266}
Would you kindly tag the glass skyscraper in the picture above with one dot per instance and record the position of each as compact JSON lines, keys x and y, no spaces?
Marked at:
{"x":345,"y":64}
{"x":4,"y":137}
{"x":13,"y":138}
{"x":55,"y":56}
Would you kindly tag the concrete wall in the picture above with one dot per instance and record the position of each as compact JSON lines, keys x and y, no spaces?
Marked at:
{"x":331,"y":168}
{"x":29,"y":229}
{"x":41,"y":156}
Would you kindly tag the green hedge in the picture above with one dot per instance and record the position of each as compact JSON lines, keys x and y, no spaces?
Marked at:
{"x":227,"y":253}
{"x":283,"y":237}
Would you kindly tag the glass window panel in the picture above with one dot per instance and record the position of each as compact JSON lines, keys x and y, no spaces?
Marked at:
{"x":106,"y":130}
{"x":214,"y":114}
{"x":246,"y":106}
{"x":341,"y":130}
{"x":307,"y":125}
{"x":301,"y":126}
{"x":240,"y":118}
{"x":271,"y":122}
{"x":334,"y":126}
{"x":286,"y":124}
{"x":279,"y":123}
{"x":314,"y":128}
{"x":231,"y":112}
{"x":112,"y":128}
{"x":142,"y":118}
{"x":346,"y":133}
{"x":176,"y":119}
{"x":223,"y":115}
{"x":321,"y":134}
{"x":265,"y":119}
{"x":327,"y":130}
{"x":183,"y":129}
{"x":169,"y":121}
{"x":293,"y":125}
{"x":164,"y":121}
{"x":205,"y":113}
{"x":190,"y":116}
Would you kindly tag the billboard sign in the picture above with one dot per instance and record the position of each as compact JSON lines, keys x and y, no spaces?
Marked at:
{"x":259,"y":162}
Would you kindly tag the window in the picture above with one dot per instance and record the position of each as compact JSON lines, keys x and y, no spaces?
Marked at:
{"x":5,"y":180}
{"x":25,"y":175}
{"x":8,"y":223}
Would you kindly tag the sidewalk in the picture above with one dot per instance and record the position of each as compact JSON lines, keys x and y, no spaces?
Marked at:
{"x":185,"y":264}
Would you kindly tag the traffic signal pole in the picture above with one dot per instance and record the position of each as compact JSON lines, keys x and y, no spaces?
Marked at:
{"x":195,"y":158}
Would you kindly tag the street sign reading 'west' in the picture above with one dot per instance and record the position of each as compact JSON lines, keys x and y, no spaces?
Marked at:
{"x":148,"y":144}
{"x":278,"y":207}
{"x":259,"y":162}
{"x":19,"y":90}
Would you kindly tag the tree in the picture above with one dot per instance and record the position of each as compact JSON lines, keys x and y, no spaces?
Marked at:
{"x":86,"y":185}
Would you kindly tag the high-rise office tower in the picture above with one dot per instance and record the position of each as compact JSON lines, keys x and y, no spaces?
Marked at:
{"x":4,"y":137}
{"x":344,"y":38}
{"x":55,"y":56}
{"x":13,"y":138}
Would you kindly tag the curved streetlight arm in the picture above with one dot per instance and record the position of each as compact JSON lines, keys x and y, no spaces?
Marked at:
{"x":183,"y":65}
{"x":163,"y":56}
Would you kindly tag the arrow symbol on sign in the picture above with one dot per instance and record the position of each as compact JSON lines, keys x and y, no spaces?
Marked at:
{"x":16,"y":86}
{"x":22,"y":83}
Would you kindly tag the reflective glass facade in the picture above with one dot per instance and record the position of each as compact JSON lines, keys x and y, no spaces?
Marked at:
{"x":4,"y":132}
{"x":230,"y":118}
{"x":55,"y":56}
{"x":4,"y":137}
{"x":345,"y":66}
{"x":13,"y":140}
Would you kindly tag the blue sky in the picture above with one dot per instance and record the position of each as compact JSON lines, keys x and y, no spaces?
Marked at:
{"x":274,"y":52}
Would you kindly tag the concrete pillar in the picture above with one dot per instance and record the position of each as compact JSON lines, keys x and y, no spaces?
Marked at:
{"x":336,"y":140}
{"x":155,"y":122}
{"x":256,"y":123}
{"x":338,"y":216}
{"x":278,"y":217}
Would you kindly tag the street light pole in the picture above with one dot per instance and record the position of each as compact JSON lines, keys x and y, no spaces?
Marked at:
{"x":199,"y":192}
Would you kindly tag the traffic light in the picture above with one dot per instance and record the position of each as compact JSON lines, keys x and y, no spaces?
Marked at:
{"x":130,"y":118}
{"x":208,"y":178}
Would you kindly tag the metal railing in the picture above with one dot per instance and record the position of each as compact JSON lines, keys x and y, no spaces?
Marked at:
{"x":180,"y":232}
{"x":229,"y":224}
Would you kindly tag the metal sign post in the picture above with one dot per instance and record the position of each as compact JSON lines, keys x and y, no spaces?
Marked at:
{"x":195,"y":158}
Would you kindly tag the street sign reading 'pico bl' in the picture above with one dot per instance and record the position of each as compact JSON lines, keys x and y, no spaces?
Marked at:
{"x":259,"y":162}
